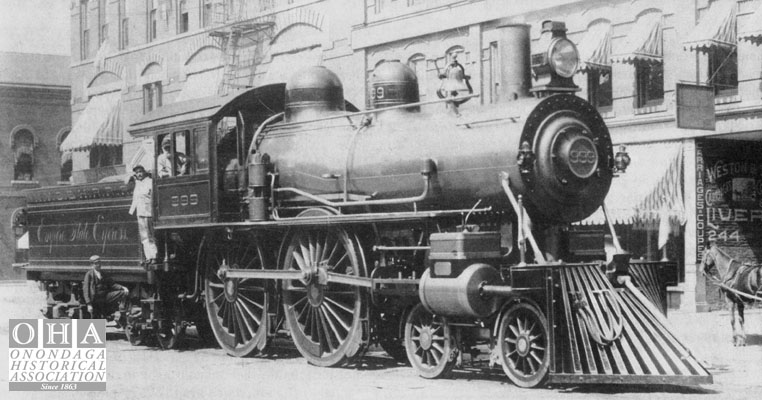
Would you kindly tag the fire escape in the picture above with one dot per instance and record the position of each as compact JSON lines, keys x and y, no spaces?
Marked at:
{"x":236,"y":34}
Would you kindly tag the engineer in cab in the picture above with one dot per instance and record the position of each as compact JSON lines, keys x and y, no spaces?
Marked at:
{"x":171,"y":163}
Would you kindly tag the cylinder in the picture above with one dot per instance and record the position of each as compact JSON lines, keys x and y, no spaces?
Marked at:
{"x":461,"y":296}
{"x":513,"y":49}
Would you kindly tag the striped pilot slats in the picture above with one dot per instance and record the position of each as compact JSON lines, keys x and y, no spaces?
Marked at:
{"x":646,"y":277}
{"x":644,"y":350}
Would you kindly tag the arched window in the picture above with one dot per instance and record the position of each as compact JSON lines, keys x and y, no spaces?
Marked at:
{"x":66,"y":158}
{"x":183,"y":17}
{"x":20,"y":236}
{"x":23,"y":152}
{"x":418,"y":64}
{"x":455,"y":51}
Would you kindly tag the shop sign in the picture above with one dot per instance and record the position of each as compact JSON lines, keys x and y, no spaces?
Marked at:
{"x":695,"y":106}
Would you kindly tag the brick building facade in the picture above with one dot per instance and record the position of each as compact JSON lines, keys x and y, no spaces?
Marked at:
{"x":35,"y":117}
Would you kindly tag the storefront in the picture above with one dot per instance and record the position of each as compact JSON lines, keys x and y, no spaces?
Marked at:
{"x":728,"y":206}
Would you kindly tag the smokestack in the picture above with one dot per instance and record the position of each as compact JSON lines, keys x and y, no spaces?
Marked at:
{"x":513,"y":50}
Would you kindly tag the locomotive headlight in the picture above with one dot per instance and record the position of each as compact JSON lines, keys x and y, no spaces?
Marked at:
{"x":556,"y":62}
{"x":563,"y":57}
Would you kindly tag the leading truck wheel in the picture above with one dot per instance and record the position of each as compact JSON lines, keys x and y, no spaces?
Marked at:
{"x":429,"y":344}
{"x":325,"y":318}
{"x":237,"y":308}
{"x":523,"y":344}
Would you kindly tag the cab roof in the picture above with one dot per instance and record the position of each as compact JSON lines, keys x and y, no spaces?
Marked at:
{"x":268,"y":98}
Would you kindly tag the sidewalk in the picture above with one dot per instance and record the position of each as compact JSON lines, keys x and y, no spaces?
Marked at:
{"x":709,"y":336}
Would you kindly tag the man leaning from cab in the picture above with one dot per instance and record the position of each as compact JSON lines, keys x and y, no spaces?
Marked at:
{"x":169,"y":164}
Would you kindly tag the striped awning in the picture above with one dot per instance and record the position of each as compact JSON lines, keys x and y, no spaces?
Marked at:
{"x":717,"y":28}
{"x":99,"y":124}
{"x":595,"y":48}
{"x":753,"y":30}
{"x":644,"y":43}
{"x":201,"y":84}
{"x":651,"y":186}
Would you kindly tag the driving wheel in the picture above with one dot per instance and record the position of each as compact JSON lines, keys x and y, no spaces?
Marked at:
{"x":325,"y":318}
{"x":237,"y":308}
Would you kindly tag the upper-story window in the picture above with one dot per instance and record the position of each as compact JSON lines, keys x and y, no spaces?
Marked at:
{"x":265,"y":5}
{"x":21,"y":235}
{"x":152,"y":20}
{"x":723,"y":71}
{"x":206,"y":12}
{"x":84,"y":44}
{"x":23,"y":150}
{"x":643,"y":49}
{"x":715,"y":35}
{"x":599,"y":88}
{"x":124,"y":23}
{"x":151,"y":96}
{"x":105,"y":156}
{"x":417,"y":63}
{"x":102,"y":23}
{"x":182,"y":17}
{"x":649,"y":81}
{"x":66,"y":158}
{"x":595,"y":61}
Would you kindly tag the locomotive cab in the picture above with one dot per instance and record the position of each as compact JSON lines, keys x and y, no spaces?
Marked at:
{"x":200,"y":150}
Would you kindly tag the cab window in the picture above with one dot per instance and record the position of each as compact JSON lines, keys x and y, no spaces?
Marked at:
{"x":201,"y":159}
{"x":173,"y":158}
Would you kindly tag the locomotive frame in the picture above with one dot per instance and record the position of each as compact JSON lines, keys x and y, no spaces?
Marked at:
{"x":253,"y":241}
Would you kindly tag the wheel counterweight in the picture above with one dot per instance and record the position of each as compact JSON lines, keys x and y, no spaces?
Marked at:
{"x":237,"y":308}
{"x":523,"y":345}
{"x":325,"y":318}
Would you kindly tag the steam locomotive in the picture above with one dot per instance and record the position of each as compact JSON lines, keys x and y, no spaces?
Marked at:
{"x":432,"y":230}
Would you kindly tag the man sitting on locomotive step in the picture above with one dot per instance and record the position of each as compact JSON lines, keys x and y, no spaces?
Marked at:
{"x":141,"y":203}
{"x":164,"y":161}
{"x":102,"y":294}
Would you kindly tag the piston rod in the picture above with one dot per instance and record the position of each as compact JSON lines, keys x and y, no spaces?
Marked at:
{"x":496,"y":290}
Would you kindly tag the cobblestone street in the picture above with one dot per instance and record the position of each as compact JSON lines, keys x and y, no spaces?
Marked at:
{"x":203,"y":373}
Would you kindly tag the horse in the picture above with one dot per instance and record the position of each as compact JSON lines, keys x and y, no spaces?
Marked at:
{"x":741,"y":283}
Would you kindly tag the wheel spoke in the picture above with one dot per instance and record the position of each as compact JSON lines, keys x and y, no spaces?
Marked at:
{"x":336,"y":333}
{"x":250,"y":301}
{"x":336,"y":316}
{"x":247,"y":312}
{"x":333,"y":251}
{"x":301,"y":262}
{"x":338,"y":262}
{"x":327,"y":337}
{"x":216,"y":285}
{"x":341,"y":306}
{"x":246,"y":332}
{"x":304,"y":310}
{"x":297,"y":303}
{"x":514,"y":330}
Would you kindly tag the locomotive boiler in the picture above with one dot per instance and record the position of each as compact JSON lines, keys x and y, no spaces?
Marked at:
{"x":433,"y":229}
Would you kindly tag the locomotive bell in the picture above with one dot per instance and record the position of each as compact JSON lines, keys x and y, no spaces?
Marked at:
{"x":393,"y":83}
{"x":313,"y":92}
{"x":454,"y":82}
